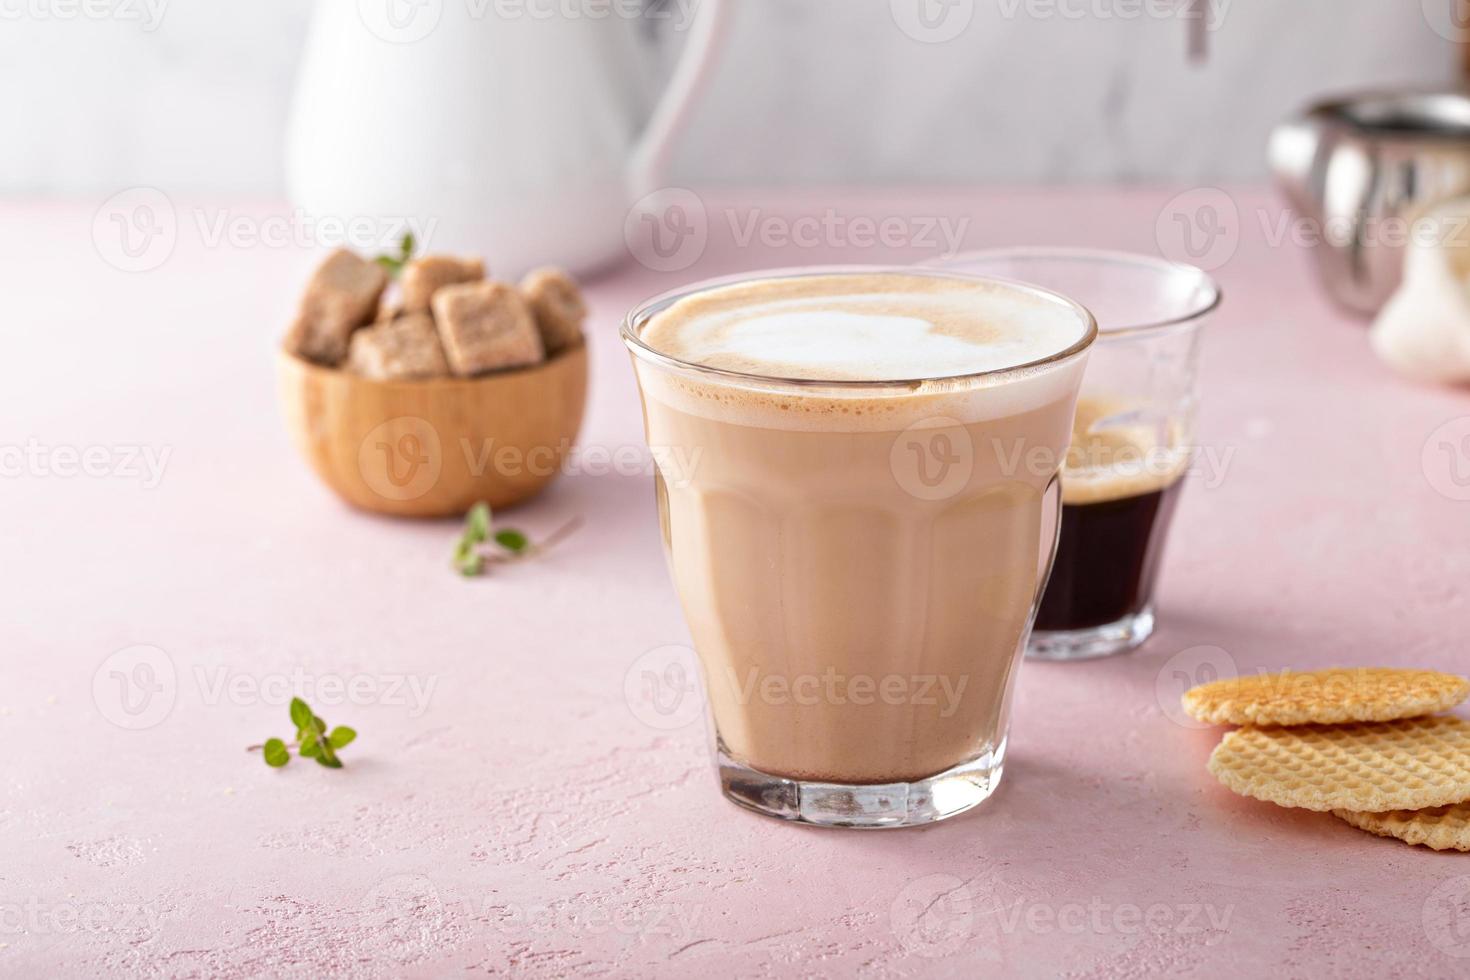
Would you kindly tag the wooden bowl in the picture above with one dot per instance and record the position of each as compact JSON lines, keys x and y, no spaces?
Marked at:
{"x":434,"y":448}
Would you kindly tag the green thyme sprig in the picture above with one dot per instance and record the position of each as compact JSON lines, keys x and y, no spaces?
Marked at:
{"x":471,"y":556}
{"x":395,"y":263}
{"x":313,"y":740}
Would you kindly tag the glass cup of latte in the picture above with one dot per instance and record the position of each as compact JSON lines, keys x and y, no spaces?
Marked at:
{"x":863,"y":524}
{"x":1132,"y":441}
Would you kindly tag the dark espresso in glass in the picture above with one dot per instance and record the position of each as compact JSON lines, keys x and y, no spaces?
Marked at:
{"x":1107,"y":559}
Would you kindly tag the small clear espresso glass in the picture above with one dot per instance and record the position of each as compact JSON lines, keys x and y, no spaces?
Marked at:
{"x":1132,"y":441}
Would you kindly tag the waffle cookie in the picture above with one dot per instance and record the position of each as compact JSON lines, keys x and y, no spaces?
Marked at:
{"x":1443,"y":828}
{"x":1325,"y":697}
{"x":1399,"y":765}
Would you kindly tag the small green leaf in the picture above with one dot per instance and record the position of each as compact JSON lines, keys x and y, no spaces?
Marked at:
{"x":321,"y":726}
{"x":341,"y":735}
{"x":310,"y":747}
{"x":469,"y":562}
{"x":326,"y":755}
{"x":275,"y":753}
{"x":512,"y":540}
{"x":394,"y":264}
{"x":477,"y":523}
{"x":301,"y":715}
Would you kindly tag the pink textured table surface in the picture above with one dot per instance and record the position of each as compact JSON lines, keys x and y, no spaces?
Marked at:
{"x":506,"y":811}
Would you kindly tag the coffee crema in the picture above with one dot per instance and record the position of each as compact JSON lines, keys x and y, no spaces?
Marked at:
{"x":1119,"y":450}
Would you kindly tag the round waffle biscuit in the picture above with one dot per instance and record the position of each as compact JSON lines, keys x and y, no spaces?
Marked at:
{"x":1444,"y":828}
{"x":1397,"y":765}
{"x":1325,"y":697}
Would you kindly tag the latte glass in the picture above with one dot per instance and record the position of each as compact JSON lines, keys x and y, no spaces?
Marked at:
{"x":1133,"y":440}
{"x":859,"y":564}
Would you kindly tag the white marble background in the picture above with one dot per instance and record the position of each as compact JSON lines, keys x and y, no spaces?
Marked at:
{"x":193,"y":94}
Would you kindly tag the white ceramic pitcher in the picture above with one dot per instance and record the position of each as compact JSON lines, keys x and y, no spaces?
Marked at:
{"x":511,"y":129}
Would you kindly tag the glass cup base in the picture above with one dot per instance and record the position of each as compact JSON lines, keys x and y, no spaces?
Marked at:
{"x":1122,"y":636}
{"x":863,"y":806}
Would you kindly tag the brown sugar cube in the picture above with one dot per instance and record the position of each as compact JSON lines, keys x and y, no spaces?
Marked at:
{"x":557,"y":305}
{"x":388,"y":312}
{"x":424,"y":277}
{"x":342,"y":295}
{"x":486,"y":326}
{"x":397,"y":350}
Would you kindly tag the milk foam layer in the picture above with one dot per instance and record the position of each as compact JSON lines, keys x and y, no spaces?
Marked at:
{"x":879,"y":327}
{"x":864,"y":327}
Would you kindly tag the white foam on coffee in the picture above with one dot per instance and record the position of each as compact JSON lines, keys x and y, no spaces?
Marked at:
{"x":864,"y":328}
{"x":913,"y":328}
